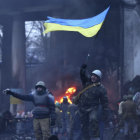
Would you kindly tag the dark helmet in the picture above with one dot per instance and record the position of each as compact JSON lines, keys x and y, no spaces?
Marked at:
{"x":130,"y":97}
{"x":57,"y":104}
{"x":40,"y":84}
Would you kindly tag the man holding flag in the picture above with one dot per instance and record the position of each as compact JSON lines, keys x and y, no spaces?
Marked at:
{"x":94,"y":93}
{"x":89,"y":99}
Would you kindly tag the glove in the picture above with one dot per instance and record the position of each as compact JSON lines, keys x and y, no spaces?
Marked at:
{"x":52,"y":122}
{"x":83,"y":66}
{"x":7,"y":91}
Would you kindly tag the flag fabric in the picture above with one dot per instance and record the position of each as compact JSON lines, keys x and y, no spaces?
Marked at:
{"x":14,"y":100}
{"x":87,"y":27}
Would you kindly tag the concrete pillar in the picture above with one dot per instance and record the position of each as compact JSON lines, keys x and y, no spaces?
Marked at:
{"x":137,"y":41}
{"x":131,"y":28}
{"x":18,"y":54}
{"x":6,"y":62}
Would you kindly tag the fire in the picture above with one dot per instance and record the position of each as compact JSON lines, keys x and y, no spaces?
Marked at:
{"x":69,"y":92}
{"x":69,"y":100}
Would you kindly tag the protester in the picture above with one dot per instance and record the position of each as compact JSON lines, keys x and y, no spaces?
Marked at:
{"x":129,"y":116}
{"x":43,"y":112}
{"x":75,"y":123}
{"x":88,"y":101}
{"x":65,"y":117}
{"x":58,"y":124}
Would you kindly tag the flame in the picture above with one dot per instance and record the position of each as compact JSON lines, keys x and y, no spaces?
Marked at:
{"x":69,"y":101}
{"x":61,"y":100}
{"x":69,"y":92}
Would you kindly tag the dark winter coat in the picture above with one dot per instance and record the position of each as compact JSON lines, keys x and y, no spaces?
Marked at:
{"x":44,"y":104}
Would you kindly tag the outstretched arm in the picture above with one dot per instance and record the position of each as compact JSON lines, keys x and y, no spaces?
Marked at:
{"x":24,"y":97}
{"x":85,"y":77}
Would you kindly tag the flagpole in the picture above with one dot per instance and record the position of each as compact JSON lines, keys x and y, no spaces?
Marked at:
{"x":89,"y":49}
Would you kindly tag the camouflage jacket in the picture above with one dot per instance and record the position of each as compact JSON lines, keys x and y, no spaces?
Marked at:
{"x":92,"y":96}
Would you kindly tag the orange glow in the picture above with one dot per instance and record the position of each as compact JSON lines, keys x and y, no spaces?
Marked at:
{"x":69,"y":101}
{"x":69,"y":92}
{"x":56,"y":102}
{"x":61,"y":99}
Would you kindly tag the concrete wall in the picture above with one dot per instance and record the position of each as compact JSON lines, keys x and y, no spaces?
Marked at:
{"x":131,"y":42}
{"x":137,"y":44}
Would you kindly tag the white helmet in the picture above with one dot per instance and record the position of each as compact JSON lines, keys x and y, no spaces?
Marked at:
{"x":98,"y":73}
{"x":40,"y":83}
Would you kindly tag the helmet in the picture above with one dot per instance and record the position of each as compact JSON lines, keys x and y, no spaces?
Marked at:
{"x":64,"y":97}
{"x":65,"y":100}
{"x":98,"y":73}
{"x":40,"y":83}
{"x":57,"y":104}
{"x":124,"y":97}
{"x":130,"y":97}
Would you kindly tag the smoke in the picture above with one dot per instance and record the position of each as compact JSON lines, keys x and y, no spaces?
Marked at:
{"x":67,"y":51}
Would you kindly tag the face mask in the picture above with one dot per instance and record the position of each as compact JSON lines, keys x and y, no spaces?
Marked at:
{"x":40,"y":90}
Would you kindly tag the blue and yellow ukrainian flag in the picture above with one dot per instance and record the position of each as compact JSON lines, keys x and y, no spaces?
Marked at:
{"x":87,"y":27}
